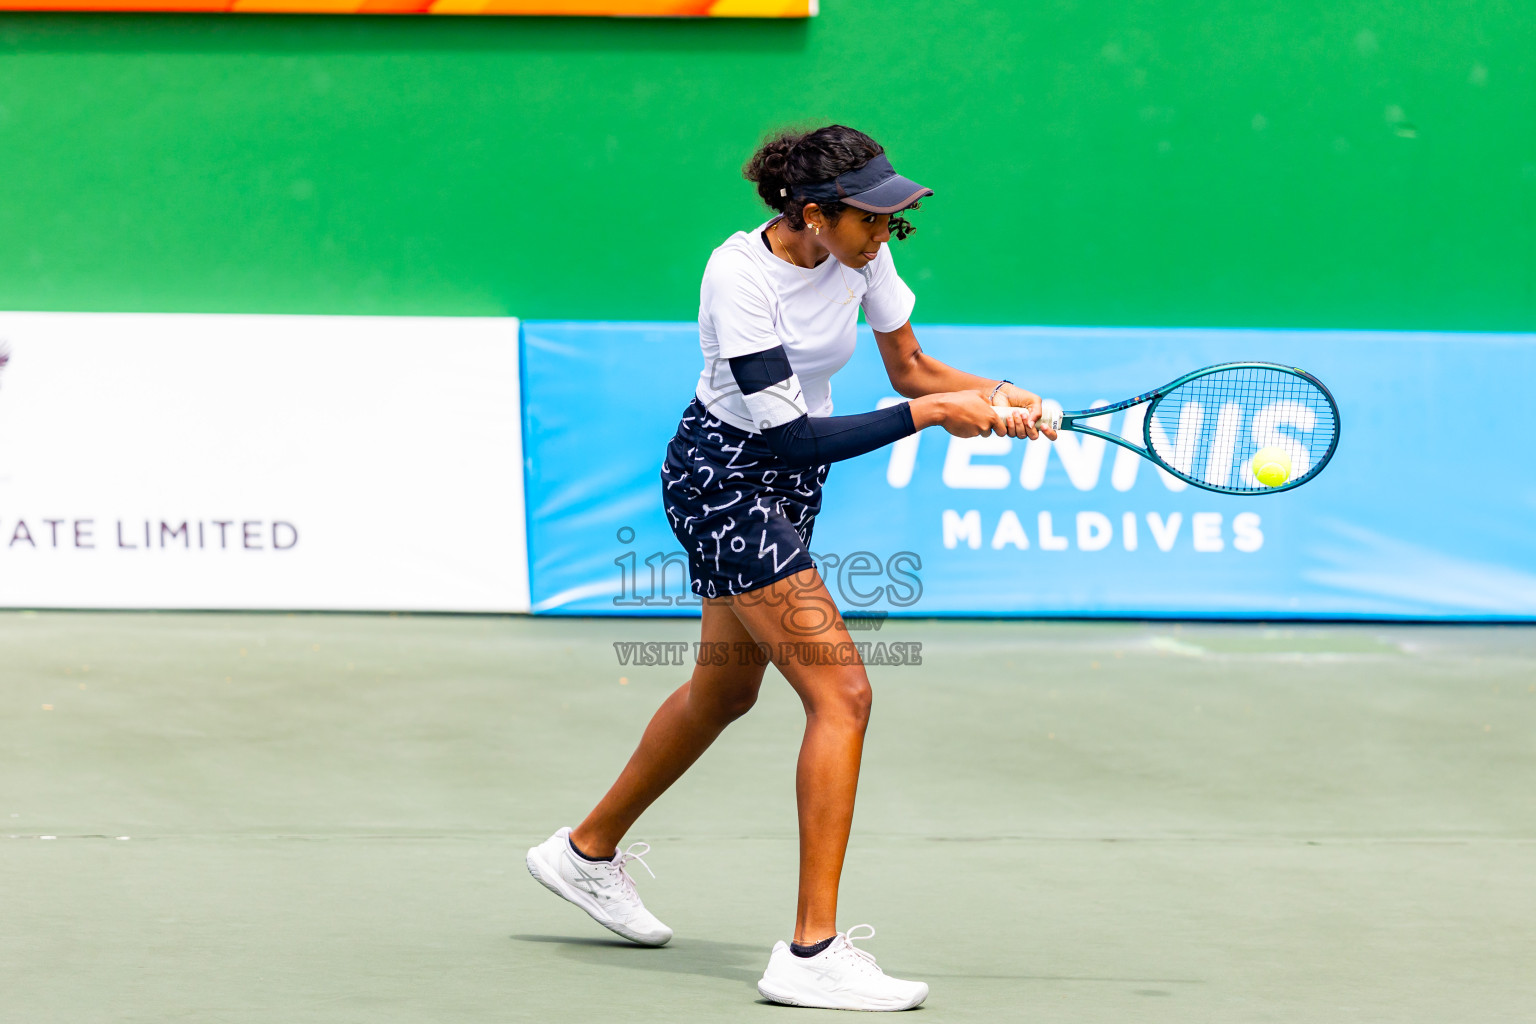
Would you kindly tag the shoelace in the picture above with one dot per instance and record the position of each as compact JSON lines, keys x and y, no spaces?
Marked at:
{"x":621,"y":863}
{"x":849,"y":937}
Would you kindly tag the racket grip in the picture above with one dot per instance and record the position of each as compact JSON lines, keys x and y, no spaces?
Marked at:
{"x":1047,"y":420}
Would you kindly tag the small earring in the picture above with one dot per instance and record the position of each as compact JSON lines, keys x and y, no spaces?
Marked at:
{"x":818,"y":229}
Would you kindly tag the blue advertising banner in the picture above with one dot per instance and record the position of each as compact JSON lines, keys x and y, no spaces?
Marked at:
{"x":1425,"y":511}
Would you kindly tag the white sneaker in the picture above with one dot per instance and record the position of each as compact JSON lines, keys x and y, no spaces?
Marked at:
{"x":601,"y":888}
{"x":840,"y":977}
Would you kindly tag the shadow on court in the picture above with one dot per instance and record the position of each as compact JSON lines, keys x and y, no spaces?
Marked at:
{"x":736,"y":961}
{"x":730,"y":961}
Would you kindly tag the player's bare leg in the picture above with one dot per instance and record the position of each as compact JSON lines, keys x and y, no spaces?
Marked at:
{"x":822,"y":967}
{"x":797,"y":610}
{"x":585,"y":866}
{"x":680,"y":731}
{"x":784,"y":615}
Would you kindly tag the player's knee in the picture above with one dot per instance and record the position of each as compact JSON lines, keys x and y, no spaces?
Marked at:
{"x":733,"y":705}
{"x":849,"y":699}
{"x":725,"y":705}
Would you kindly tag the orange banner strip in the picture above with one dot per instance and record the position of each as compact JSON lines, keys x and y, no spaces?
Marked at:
{"x":591,"y":8}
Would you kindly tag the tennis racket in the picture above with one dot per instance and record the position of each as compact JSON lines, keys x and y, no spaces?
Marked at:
{"x":1205,"y":427}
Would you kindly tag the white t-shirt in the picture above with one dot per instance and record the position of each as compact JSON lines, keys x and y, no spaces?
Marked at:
{"x":751,"y":300}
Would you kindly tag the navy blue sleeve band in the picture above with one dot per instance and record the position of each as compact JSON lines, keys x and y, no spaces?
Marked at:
{"x":812,"y":440}
{"x":761,"y":370}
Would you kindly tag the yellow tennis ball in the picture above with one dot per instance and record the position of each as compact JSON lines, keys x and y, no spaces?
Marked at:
{"x":1271,"y":466}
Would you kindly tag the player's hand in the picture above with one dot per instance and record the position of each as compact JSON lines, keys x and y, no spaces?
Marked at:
{"x":962,"y":413}
{"x":1021,"y":423}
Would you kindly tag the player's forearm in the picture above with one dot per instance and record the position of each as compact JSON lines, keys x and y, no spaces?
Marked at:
{"x":812,"y":440}
{"x":925,"y":375}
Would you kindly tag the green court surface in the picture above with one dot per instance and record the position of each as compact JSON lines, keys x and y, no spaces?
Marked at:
{"x":322,"y":818}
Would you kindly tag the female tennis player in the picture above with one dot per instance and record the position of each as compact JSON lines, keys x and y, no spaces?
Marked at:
{"x":742,"y":484}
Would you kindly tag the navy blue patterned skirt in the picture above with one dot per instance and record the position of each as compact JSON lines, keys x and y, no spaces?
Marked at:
{"x":742,"y":515}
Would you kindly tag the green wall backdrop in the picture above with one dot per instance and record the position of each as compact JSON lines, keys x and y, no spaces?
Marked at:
{"x":1334,"y":163}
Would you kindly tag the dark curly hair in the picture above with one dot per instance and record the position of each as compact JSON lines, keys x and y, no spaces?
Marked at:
{"x":793,"y":158}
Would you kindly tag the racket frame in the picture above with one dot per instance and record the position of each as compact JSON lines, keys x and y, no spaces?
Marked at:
{"x":1073,"y":421}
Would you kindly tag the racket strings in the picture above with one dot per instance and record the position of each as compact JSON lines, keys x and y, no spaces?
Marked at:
{"x":1210,"y":427}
